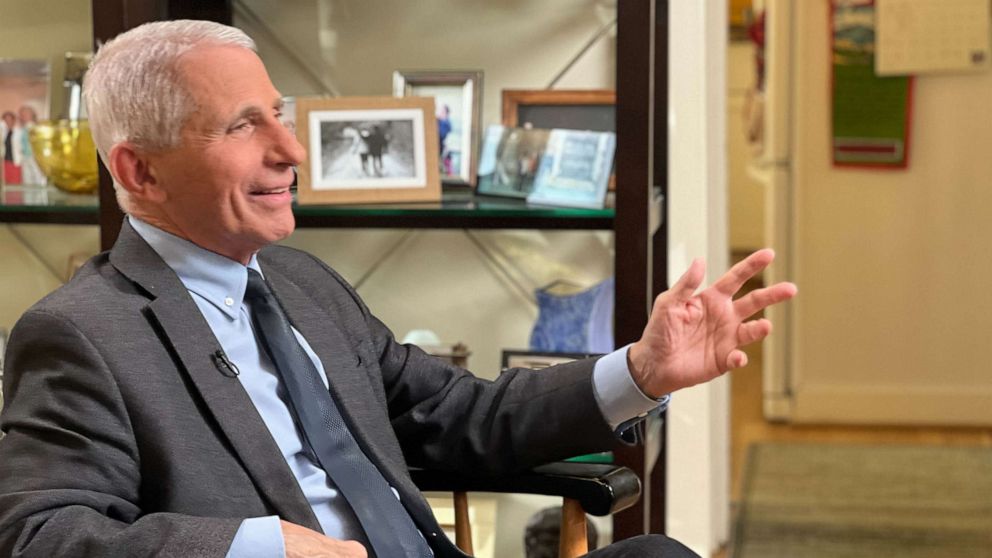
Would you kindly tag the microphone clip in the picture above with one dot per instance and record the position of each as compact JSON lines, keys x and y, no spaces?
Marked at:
{"x":224,"y":364}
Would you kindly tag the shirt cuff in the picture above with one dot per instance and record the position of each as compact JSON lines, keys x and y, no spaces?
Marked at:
{"x":258,"y":537}
{"x":619,"y":398}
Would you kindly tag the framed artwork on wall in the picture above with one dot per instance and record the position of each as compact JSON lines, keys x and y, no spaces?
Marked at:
{"x":458,"y":109}
{"x":367,"y":150}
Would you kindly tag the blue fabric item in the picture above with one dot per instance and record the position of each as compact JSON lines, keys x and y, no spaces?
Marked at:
{"x":576,"y":323}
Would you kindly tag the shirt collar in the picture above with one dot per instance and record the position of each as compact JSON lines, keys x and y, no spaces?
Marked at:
{"x":219,"y":280}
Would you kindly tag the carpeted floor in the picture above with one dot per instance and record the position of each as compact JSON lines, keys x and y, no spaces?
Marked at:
{"x":805,"y":500}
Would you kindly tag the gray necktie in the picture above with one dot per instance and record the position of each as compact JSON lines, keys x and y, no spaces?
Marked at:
{"x":387,"y":524}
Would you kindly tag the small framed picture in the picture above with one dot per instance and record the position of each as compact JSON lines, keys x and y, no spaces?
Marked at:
{"x":367,"y":150}
{"x":458,"y":109}
{"x":510,"y":160}
{"x":537,"y":360}
{"x":575,"y":169}
{"x":568,"y":109}
{"x":24,"y":99}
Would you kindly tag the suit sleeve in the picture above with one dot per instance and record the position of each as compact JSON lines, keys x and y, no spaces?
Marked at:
{"x":448,"y":419}
{"x":70,"y":477}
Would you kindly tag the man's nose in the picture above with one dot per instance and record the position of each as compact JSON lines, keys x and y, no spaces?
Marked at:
{"x":287,"y":147}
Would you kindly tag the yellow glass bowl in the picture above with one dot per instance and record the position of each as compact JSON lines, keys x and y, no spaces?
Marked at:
{"x":66,"y":154}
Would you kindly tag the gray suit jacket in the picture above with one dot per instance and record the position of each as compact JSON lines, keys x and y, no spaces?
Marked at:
{"x":123,"y":438}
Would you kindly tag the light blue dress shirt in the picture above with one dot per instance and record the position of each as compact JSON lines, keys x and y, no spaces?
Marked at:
{"x":217,"y":286}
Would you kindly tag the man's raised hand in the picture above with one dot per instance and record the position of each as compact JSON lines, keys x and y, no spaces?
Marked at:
{"x":692,"y":338}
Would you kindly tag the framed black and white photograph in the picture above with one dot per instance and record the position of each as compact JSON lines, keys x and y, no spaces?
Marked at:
{"x":367,"y":150}
{"x":457,"y":107}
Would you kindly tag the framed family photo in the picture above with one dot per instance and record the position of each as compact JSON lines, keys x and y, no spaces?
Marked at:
{"x":458,"y":108}
{"x":24,"y":100}
{"x":367,"y":150}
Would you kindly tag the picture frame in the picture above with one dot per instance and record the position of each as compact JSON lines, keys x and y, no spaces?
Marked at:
{"x":510,"y":160}
{"x":25,"y":93}
{"x":572,"y":109}
{"x":575,"y":169}
{"x":458,"y":110}
{"x":538,"y":360}
{"x":367,"y":150}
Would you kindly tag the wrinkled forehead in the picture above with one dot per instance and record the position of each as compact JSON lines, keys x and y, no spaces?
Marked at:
{"x":225,"y":75}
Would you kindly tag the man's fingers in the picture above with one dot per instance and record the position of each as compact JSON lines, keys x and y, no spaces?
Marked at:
{"x":686,"y":286}
{"x":759,"y":299}
{"x":755,"y":330}
{"x":736,"y":359}
{"x":733,"y":280}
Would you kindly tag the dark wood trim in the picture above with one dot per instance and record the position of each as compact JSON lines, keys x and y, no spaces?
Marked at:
{"x":211,"y":10}
{"x":659,"y":263}
{"x":635,"y":180}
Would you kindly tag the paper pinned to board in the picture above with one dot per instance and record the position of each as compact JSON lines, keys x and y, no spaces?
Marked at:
{"x":919,"y":36}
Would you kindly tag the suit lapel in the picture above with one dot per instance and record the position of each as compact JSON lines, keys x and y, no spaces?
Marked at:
{"x":189,"y":336}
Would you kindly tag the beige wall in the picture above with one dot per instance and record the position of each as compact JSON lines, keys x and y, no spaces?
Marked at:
{"x":356,"y":46}
{"x":895,"y":311}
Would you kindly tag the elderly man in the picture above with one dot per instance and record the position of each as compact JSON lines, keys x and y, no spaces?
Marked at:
{"x":197,"y":391}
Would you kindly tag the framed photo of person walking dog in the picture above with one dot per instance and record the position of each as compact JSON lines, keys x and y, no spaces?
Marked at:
{"x":367,"y":150}
{"x":458,"y":109}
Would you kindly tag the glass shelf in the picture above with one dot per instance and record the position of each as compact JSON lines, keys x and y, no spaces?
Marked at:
{"x":46,"y":204}
{"x":456,"y":210}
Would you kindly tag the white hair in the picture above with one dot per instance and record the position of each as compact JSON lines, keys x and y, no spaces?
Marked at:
{"x":134,"y":91}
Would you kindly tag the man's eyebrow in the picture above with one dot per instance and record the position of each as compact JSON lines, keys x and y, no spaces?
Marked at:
{"x":253,"y":111}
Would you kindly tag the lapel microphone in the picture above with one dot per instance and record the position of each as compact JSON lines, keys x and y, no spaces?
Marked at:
{"x":224,"y":364}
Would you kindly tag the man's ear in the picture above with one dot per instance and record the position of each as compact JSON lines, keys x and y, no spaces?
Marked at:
{"x":134,"y":171}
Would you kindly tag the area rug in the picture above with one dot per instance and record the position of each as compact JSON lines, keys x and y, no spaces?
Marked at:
{"x":854,"y":501}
